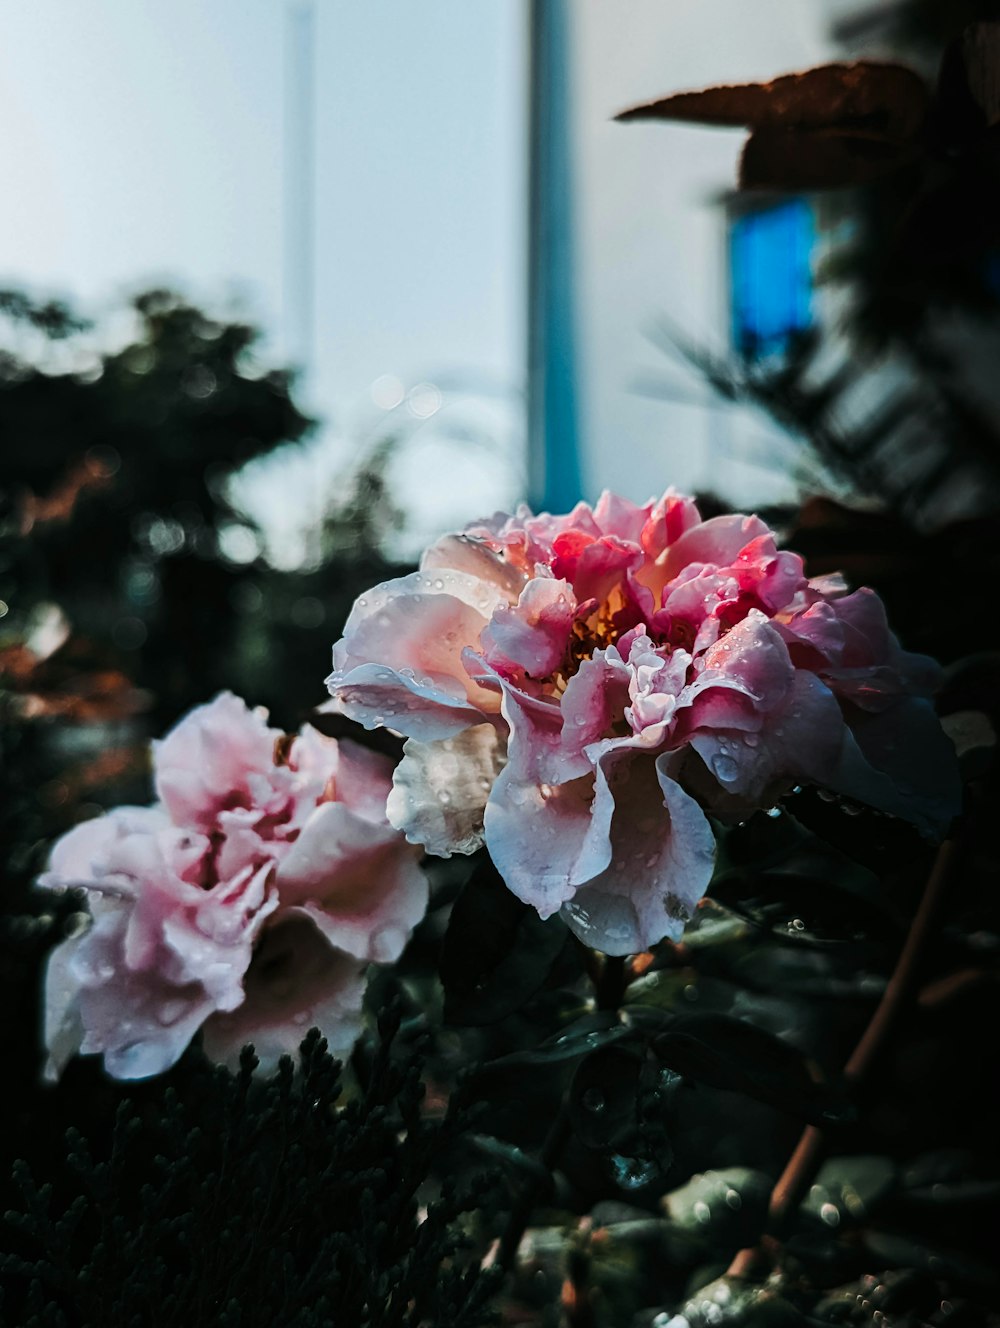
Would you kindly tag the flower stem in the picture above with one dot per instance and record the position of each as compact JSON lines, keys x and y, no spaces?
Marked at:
{"x":804,"y":1161}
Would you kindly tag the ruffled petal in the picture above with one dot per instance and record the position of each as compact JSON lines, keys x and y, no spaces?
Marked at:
{"x":755,"y":761}
{"x":439,"y":790}
{"x":296,"y":981}
{"x":400,"y":660}
{"x":718,"y":541}
{"x":537,"y":834}
{"x":205,"y":762}
{"x":360,"y":884}
{"x":532,"y":636}
{"x":662,"y":854}
{"x":139,"y":1022}
{"x":902,"y":762}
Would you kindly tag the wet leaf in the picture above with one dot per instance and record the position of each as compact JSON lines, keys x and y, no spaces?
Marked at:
{"x":603,"y":1097}
{"x":848,"y":1188}
{"x":729,"y":1204}
{"x":565,"y":1047}
{"x":729,"y":1302}
{"x":497,"y":951}
{"x":732,"y":1054}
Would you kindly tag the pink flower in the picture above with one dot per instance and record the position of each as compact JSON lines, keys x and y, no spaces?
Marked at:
{"x":580,"y":690}
{"x":246,"y":903}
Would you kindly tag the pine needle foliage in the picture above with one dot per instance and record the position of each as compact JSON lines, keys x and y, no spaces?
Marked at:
{"x":246,"y":1202}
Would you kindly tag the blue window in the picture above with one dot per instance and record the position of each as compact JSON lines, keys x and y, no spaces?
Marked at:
{"x":770,"y":277}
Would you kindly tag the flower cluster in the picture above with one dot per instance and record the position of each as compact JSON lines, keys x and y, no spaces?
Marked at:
{"x":581,"y":690}
{"x":246,"y":903}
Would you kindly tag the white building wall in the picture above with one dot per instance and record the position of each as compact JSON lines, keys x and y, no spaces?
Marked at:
{"x":651,"y":236}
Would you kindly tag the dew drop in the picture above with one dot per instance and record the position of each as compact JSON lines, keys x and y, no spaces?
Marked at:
{"x":631,"y":1173}
{"x":594,"y":1100}
{"x":830,"y":1214}
{"x":733,"y":1200}
{"x":702,"y":1212}
{"x":170,"y":1011}
{"x":725,"y":769}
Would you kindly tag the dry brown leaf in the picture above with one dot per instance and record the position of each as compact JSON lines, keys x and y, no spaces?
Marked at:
{"x":888,"y":100}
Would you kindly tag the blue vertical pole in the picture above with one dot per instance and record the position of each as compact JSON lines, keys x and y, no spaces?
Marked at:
{"x":553,"y":443}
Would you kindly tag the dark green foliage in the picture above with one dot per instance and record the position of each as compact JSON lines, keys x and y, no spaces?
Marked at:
{"x":497,"y":951}
{"x":255,"y":1203}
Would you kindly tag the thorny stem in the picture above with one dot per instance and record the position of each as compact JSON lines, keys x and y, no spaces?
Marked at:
{"x":802,"y":1165}
{"x":610,"y":979}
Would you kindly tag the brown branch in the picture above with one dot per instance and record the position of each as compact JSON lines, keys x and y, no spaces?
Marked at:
{"x":802,"y":1165}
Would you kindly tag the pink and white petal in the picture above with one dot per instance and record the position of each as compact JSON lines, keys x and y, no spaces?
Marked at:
{"x":620,"y":517}
{"x":901,"y":761}
{"x":535,"y":749}
{"x":532,"y":636}
{"x":207,"y":758}
{"x":425,"y":708}
{"x":400,"y":660}
{"x":668,"y":519}
{"x":295,"y":982}
{"x":662,"y":858}
{"x":536,"y":834}
{"x":477,"y":558}
{"x":595,"y":698}
{"x":139,"y":1022}
{"x":815,"y":636}
{"x":363,"y":780}
{"x":603,"y":565}
{"x":718,"y":540}
{"x":360,"y":884}
{"x":439,"y":790}
{"x":88,"y":853}
{"x":801,"y":740}
{"x":751,"y":658}
{"x":415,"y":590}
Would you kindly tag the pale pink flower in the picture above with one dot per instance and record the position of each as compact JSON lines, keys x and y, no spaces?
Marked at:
{"x":581,"y":689}
{"x":246,"y":903}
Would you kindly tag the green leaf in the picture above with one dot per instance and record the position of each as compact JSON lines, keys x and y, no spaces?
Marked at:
{"x":729,"y":1204}
{"x":732,"y":1054}
{"x":497,"y":951}
{"x":566,"y":1046}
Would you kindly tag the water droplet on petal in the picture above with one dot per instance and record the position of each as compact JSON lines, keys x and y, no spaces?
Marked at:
{"x":170,"y":1011}
{"x":830,"y":1214}
{"x":725,"y":769}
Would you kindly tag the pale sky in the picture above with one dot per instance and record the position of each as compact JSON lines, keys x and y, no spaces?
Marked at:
{"x":144,"y":141}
